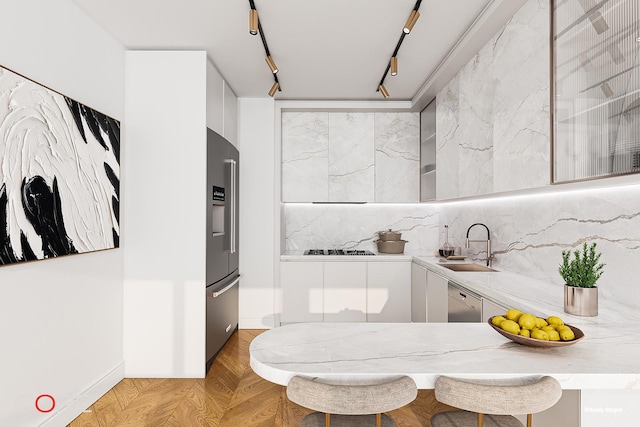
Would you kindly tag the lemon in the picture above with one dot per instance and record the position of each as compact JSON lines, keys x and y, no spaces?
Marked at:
{"x":513,"y":314}
{"x":540,"y":322}
{"x":497,"y":320}
{"x":527,"y":321}
{"x":548,"y":328}
{"x":510,"y":326}
{"x":539,"y":334}
{"x":526,"y":333}
{"x":555,"y":320}
{"x":553,"y":335}
{"x":566,"y":334}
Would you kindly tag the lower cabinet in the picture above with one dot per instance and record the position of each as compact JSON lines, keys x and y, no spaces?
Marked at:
{"x":437,"y":298}
{"x":388,"y":291}
{"x":490,"y":308}
{"x":302,"y":286}
{"x":429,"y":299}
{"x":345,"y":291}
{"x":418,"y":293}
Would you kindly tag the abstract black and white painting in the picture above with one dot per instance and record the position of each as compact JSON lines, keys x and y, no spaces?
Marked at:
{"x":59,"y":174}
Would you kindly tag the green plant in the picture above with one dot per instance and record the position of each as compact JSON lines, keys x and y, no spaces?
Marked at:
{"x":583,"y":271}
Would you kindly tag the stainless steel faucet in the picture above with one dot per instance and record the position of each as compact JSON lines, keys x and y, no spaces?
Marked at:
{"x":488,"y":241}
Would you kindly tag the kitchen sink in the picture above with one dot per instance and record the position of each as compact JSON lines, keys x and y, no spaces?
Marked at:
{"x":468,"y":267}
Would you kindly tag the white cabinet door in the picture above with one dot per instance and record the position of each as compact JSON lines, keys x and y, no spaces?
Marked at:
{"x":437,"y":298}
{"x":345,"y":291}
{"x":418,"y":293}
{"x":490,"y":308}
{"x":388,"y":291}
{"x":302,"y":291}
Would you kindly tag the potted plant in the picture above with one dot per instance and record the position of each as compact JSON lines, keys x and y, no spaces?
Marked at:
{"x":580,"y":275}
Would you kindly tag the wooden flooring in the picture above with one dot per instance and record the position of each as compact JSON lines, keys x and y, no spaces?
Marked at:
{"x":231,"y":395}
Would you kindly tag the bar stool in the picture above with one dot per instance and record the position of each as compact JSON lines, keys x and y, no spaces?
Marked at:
{"x":352,"y":404}
{"x":490,"y":403}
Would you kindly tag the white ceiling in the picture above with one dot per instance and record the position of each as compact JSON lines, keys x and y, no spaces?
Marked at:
{"x":325,"y":49}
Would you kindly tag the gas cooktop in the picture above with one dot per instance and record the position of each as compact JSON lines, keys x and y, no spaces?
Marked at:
{"x":337,"y":252}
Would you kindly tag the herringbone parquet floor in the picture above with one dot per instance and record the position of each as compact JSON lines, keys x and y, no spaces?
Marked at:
{"x":231,"y":395}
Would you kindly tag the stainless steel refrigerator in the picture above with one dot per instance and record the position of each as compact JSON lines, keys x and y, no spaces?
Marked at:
{"x":223,"y":278}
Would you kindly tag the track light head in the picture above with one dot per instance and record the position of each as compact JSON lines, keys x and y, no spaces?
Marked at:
{"x":413,"y":18}
{"x":394,"y":65}
{"x":253,"y":22}
{"x":272,"y":64}
{"x":274,"y":89}
{"x":383,"y":91}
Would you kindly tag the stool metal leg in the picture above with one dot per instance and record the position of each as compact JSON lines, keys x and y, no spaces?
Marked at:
{"x":479,"y":420}
{"x":378,"y":420}
{"x":529,"y":420}
{"x":327,"y":420}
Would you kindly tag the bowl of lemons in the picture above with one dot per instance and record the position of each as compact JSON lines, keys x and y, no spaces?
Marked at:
{"x":531,"y":330}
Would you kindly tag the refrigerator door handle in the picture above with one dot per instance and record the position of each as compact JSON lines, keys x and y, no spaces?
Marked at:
{"x":216,"y":294}
{"x":233,"y":205}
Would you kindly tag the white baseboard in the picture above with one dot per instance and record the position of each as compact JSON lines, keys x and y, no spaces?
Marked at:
{"x":256,"y":323}
{"x":82,"y":401}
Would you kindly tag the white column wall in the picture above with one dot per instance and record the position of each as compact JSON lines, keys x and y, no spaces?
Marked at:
{"x":165,"y":195}
{"x":61,"y":319}
{"x":256,"y":142}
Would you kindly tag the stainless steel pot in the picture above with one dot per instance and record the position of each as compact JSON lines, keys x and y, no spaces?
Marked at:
{"x":391,"y":246}
{"x":389,"y":235}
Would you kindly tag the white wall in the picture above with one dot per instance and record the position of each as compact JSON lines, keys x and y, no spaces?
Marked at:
{"x":61,"y":319}
{"x":165,"y":220}
{"x":258,"y":236}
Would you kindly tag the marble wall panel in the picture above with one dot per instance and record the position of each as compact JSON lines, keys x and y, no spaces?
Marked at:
{"x":305,"y":153}
{"x":501,"y":98}
{"x":351,"y":157}
{"x":521,"y":144}
{"x":397,"y":157}
{"x":529,"y":234}
{"x":477,"y":90}
{"x":356,"y":226}
{"x":447,"y":148}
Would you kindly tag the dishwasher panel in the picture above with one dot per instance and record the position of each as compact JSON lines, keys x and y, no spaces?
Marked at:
{"x":464,"y":305}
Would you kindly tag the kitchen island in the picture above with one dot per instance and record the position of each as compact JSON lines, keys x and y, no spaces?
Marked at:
{"x":607,"y":358}
{"x":604,"y":359}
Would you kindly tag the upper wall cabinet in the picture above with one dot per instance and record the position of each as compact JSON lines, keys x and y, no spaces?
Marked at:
{"x":350,"y":157}
{"x":492,"y":118}
{"x":597,"y":80}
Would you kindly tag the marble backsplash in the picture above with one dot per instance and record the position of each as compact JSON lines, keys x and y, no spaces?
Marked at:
{"x":529,"y":233}
{"x":350,"y":226}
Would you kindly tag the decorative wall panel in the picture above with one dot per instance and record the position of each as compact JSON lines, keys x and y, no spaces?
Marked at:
{"x":597,"y":80}
{"x":59,"y":171}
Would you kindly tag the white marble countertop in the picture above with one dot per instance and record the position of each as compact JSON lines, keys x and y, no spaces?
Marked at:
{"x":424,"y":351}
{"x":299,"y":256}
{"x":608,"y":356}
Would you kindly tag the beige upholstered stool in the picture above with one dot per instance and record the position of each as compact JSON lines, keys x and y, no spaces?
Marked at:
{"x":495,"y":398}
{"x":350,"y":405}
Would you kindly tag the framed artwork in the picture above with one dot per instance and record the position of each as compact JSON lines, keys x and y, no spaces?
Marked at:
{"x":59,"y":174}
{"x":595,"y":88}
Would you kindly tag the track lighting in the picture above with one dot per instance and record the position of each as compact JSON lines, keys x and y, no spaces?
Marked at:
{"x":394,"y":65}
{"x":274,"y":89}
{"x":413,"y":18}
{"x":383,"y":91}
{"x":253,"y":22}
{"x":271,"y":64}
{"x":255,"y":27}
